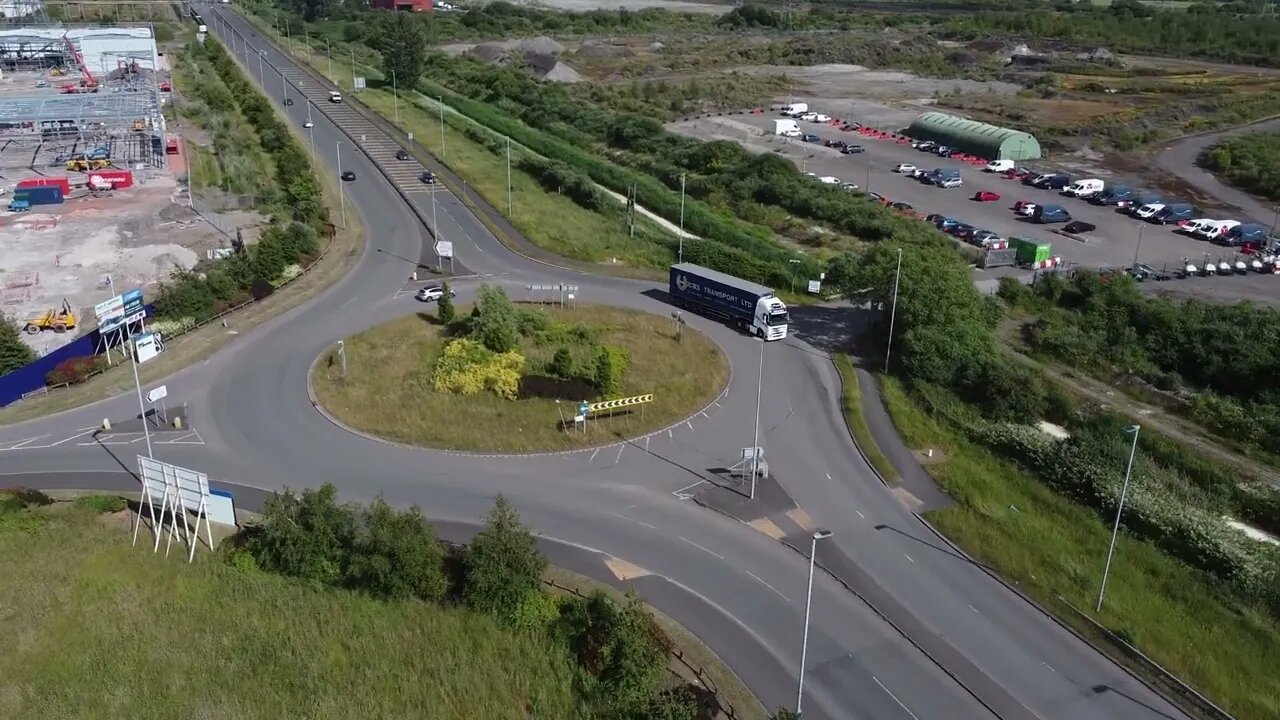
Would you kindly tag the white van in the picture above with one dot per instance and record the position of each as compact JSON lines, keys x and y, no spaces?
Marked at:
{"x":1084,"y":188}
{"x":795,"y":109}
{"x":1191,"y":227}
{"x":1147,"y":211}
{"x":786,"y":128}
{"x":998,"y":166}
{"x":1215,"y":229}
{"x":335,"y":96}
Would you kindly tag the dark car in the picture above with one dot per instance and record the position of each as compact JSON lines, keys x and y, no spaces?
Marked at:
{"x":904,"y":207}
{"x":1173,"y":214}
{"x":837,"y":144}
{"x":428,"y":177}
{"x":348,"y":176}
{"x":1113,"y":195}
{"x":1046,"y":214}
{"x":402,"y":155}
{"x":1079,"y":227}
{"x":934,"y":218}
{"x":852,"y":149}
{"x":1246,"y":234}
{"x":1056,"y":181}
{"x":963,"y":231}
{"x":811,"y":138}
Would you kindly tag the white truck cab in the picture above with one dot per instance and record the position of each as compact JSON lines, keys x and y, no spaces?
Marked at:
{"x":1084,"y":188}
{"x":786,"y":128}
{"x":771,"y":318}
{"x":335,"y":96}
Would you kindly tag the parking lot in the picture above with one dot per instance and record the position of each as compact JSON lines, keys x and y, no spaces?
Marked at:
{"x":1113,"y":244}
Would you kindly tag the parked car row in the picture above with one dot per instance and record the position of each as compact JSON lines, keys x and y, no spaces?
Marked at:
{"x":967,"y":232}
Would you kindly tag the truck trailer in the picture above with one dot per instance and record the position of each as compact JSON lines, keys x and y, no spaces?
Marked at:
{"x":753,"y":307}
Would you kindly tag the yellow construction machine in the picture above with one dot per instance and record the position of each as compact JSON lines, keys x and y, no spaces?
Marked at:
{"x":83,"y":165}
{"x":58,"y":321}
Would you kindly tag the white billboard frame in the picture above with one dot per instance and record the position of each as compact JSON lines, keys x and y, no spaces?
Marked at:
{"x":181,"y":491}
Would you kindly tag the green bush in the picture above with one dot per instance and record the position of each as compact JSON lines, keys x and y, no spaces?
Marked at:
{"x":610,"y":371}
{"x":620,"y":647}
{"x":561,"y":365}
{"x":14,"y":353}
{"x":308,"y":536}
{"x":502,"y":565}
{"x":494,"y":321}
{"x":396,"y":555}
{"x":444,"y":306}
{"x":27,"y":497}
{"x":101,"y":503}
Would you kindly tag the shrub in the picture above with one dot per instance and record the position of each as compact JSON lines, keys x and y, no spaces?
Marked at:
{"x":27,"y":497}
{"x":307,"y":536}
{"x":13,"y":352}
{"x":610,"y":370}
{"x":75,"y":370}
{"x":444,"y":306}
{"x":620,"y":647}
{"x":101,"y":503}
{"x":503,"y":565}
{"x":561,"y":364}
{"x":494,"y":321}
{"x":396,"y":555}
{"x":467,"y":368}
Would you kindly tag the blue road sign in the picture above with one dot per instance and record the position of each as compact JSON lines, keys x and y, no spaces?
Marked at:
{"x":584,"y":408}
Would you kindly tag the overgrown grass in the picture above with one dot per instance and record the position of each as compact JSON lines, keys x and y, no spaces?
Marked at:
{"x":1052,"y":547}
{"x":851,"y":401}
{"x":388,"y":390}
{"x":94,"y":628}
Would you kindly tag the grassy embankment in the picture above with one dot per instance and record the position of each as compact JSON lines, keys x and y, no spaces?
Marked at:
{"x":388,"y":390}
{"x":851,"y":401}
{"x":1054,"y":550}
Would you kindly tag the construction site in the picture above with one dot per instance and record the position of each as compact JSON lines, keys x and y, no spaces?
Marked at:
{"x":89,"y":176}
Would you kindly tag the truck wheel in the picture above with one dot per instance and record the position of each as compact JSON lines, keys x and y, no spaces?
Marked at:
{"x":59,"y":328}
{"x":32,"y":329}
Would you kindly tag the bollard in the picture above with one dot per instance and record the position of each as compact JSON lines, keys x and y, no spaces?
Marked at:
{"x":414,"y":276}
{"x":106,"y":424}
{"x":177,"y":422}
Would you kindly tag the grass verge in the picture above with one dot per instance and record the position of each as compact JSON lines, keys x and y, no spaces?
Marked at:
{"x":1054,"y":550}
{"x":191,"y":347}
{"x":851,"y":401}
{"x":714,"y":672}
{"x":388,"y":389}
{"x":95,"y":628}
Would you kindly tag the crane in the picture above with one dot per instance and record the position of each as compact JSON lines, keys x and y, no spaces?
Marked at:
{"x":88,"y":84}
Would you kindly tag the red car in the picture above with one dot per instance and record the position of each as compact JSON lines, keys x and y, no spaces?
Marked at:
{"x":986,"y":196}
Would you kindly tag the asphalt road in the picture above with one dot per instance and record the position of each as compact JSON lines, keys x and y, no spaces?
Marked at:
{"x":1113,"y":244}
{"x":739,"y":589}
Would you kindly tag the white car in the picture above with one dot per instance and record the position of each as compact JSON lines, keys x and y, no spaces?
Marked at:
{"x":952,"y":182}
{"x":904,"y":168}
{"x":829,"y":180}
{"x":851,"y":187}
{"x":431,"y":293}
{"x":815,"y":117}
{"x":811,"y":174}
{"x":308,"y":124}
{"x":1027,"y":209}
{"x":1147,"y":211}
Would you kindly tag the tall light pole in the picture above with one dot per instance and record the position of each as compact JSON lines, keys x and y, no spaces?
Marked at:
{"x":508,"y":177}
{"x":1115,"y":530}
{"x":342,"y":194}
{"x":284,"y":89}
{"x":681,"y":256}
{"x":311,"y":132}
{"x":440,"y":102}
{"x":893,"y":312}
{"x":1141,"y":226}
{"x":1275,"y":221}
{"x":755,"y":441}
{"x":353,"y":69}
{"x":808,"y":605}
{"x":262,"y":82}
{"x":142,"y":408}
{"x":395,"y":96}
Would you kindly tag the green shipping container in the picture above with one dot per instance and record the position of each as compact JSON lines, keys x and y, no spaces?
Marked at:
{"x":1030,"y":251}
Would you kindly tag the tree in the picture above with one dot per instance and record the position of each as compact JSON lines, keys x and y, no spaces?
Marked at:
{"x":493,"y":320}
{"x":561,"y":364}
{"x":308,"y":536}
{"x":13,"y":352}
{"x":444,"y":306}
{"x":784,"y":714}
{"x":396,"y":555}
{"x":404,"y":49}
{"x":503,"y":565}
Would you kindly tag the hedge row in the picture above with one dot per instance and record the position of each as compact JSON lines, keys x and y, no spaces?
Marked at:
{"x":699,"y":219}
{"x":1087,"y":469}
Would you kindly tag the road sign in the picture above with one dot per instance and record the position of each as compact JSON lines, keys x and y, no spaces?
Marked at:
{"x":444,"y":248}
{"x":619,"y":403}
{"x":159,"y":393}
{"x":146,"y":346}
{"x":815,"y":286}
{"x":584,"y":408}
{"x":358,"y":83}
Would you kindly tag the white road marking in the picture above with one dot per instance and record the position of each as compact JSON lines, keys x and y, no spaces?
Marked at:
{"x":974,"y":609}
{"x":619,"y":458}
{"x":673,"y":437}
{"x":1048,"y":666}
{"x":907,"y":557}
{"x":864,"y":517}
{"x":704,"y":414}
{"x":895,"y":698}
{"x":348,"y":302}
{"x":712,"y":554}
{"x":638,"y":522}
{"x":686,"y":422}
{"x":593,"y":454}
{"x":762,"y":582}
{"x":828,"y":476}
{"x":646,"y":442}
{"x":24,"y":442}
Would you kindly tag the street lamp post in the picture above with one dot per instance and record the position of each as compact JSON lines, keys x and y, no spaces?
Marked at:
{"x":681,"y":255}
{"x":353,"y":69}
{"x":1115,"y":530}
{"x":755,"y":439}
{"x":1141,"y":226}
{"x":395,"y":96}
{"x":342,"y":194}
{"x":440,"y":102}
{"x":893,"y":312}
{"x":311,"y":133}
{"x":262,"y":82}
{"x":808,"y":605}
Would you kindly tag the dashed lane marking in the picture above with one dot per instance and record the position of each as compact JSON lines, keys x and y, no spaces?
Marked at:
{"x":762,"y":582}
{"x":895,"y":698}
{"x":713,"y":554}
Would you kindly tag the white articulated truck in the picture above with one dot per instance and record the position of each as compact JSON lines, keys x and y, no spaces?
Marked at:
{"x":752,"y":306}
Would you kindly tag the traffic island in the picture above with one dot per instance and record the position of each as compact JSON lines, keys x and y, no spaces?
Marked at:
{"x":516,"y":378}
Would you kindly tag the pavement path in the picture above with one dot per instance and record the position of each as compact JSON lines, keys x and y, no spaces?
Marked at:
{"x":733,"y":581}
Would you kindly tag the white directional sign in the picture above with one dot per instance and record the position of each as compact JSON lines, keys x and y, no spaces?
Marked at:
{"x":159,"y":393}
{"x":147,"y":346}
{"x":815,"y":286}
{"x":444,"y":248}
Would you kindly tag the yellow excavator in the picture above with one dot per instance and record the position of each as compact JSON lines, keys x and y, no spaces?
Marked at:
{"x":58,"y":321}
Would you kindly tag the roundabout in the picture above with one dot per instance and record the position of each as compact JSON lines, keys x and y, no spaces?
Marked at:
{"x":380,"y":383}
{"x":732,"y":580}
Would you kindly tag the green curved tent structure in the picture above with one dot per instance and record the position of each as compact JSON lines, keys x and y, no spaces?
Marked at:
{"x":975,"y":138}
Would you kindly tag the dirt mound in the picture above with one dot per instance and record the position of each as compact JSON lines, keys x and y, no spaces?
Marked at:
{"x":491,"y":53}
{"x":596,"y":49}
{"x":562,"y":73}
{"x":540,"y":56}
{"x":541,"y":45}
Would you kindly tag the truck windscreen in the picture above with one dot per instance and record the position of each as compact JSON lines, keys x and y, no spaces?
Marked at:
{"x":777,"y":318}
